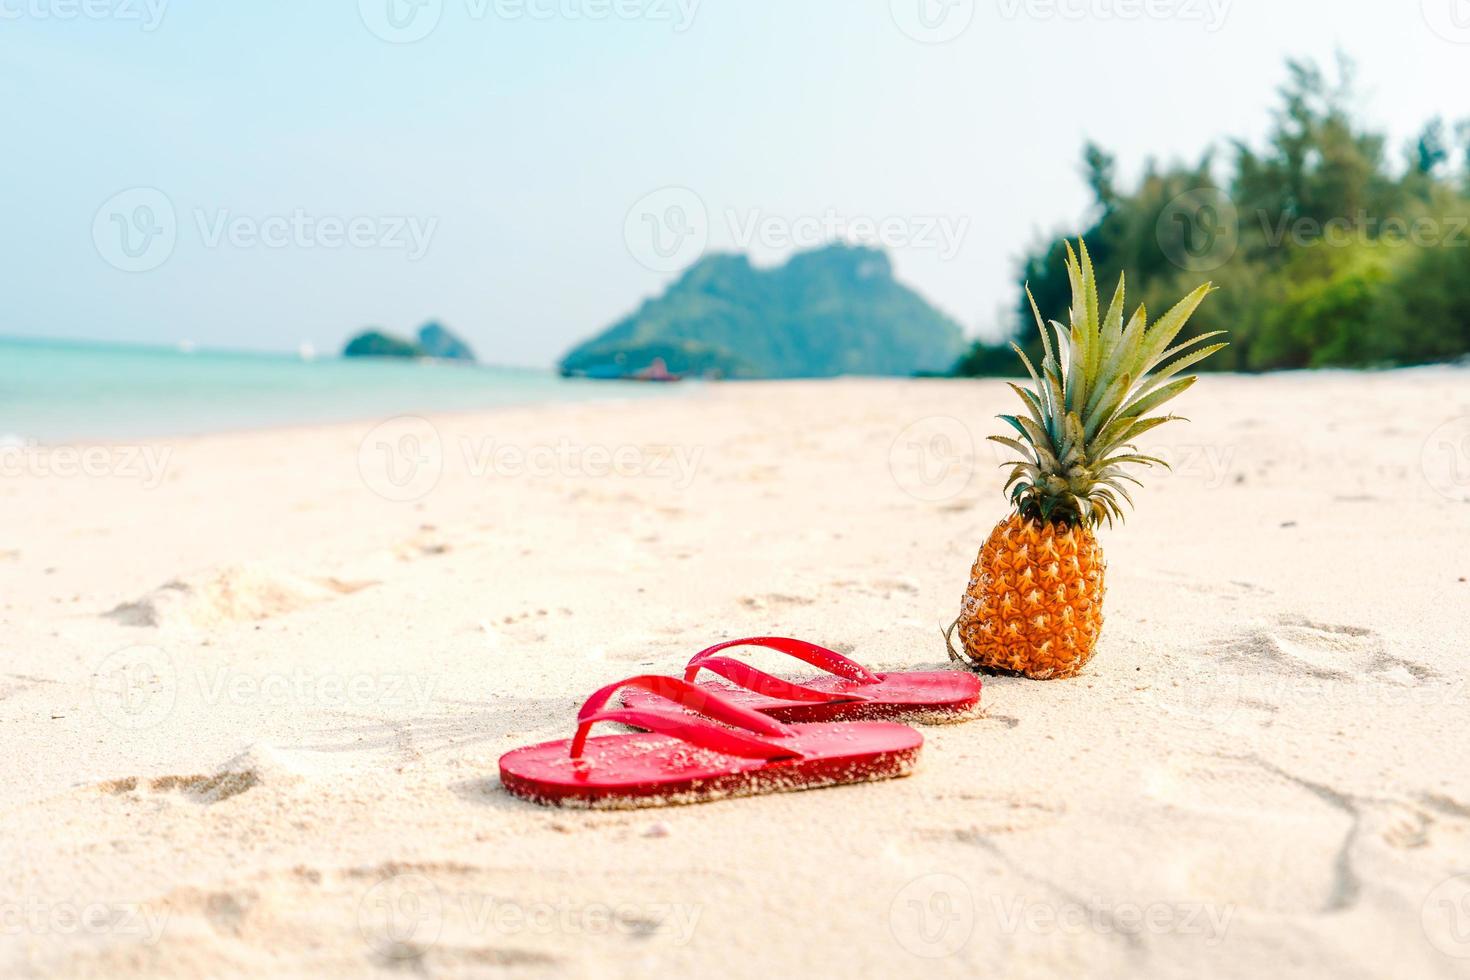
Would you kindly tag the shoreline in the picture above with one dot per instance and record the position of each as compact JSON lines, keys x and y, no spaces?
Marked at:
{"x":684,"y":390}
{"x":80,"y":394}
{"x":309,"y":425}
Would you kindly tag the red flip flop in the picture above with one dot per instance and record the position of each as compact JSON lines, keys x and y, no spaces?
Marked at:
{"x":711,"y":749}
{"x":848,"y":692}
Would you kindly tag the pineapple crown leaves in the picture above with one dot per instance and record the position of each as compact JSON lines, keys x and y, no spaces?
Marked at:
{"x":1100,"y":377}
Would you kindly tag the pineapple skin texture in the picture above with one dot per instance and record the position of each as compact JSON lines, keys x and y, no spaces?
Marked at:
{"x":1034,"y":603}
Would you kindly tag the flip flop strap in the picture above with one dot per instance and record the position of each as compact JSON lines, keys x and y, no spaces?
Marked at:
{"x":728,"y":741}
{"x":820,"y":657}
{"x":697,"y":731}
{"x":748,"y":677}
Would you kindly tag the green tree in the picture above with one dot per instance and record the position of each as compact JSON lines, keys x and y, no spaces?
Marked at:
{"x":1324,"y":252}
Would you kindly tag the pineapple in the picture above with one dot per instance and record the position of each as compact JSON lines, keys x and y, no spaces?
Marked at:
{"x":1034,"y":603}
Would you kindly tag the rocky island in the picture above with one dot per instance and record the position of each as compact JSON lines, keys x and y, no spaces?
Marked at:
{"x":434,"y":340}
{"x":829,"y":311}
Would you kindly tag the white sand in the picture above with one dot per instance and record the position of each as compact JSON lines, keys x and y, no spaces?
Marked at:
{"x":252,"y":713}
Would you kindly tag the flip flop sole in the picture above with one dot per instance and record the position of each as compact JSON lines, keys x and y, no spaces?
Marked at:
{"x":645,"y":770}
{"x":910,"y":714}
{"x":937,"y":697}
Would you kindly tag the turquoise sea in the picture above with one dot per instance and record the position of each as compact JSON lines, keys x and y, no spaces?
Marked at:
{"x":52,"y":391}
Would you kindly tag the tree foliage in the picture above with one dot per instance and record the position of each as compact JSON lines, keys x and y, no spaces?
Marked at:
{"x":1328,"y":251}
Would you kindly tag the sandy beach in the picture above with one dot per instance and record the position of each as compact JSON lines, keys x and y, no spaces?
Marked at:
{"x":255,"y":686}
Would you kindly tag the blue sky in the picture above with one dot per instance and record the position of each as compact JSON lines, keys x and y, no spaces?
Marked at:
{"x":290,"y":172}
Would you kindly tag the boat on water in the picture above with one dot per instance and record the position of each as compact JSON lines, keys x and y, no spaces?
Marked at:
{"x":657,"y":371}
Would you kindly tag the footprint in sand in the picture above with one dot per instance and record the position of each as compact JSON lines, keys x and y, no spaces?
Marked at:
{"x":1272,"y":666}
{"x":439,"y":916}
{"x":1255,"y":836}
{"x":235,"y":593}
{"x":261,"y":764}
{"x":1406,"y":827}
{"x":200,"y":788}
{"x":1324,"y":649}
{"x":1300,"y":646}
{"x":1429,"y":821}
{"x":760,"y":602}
